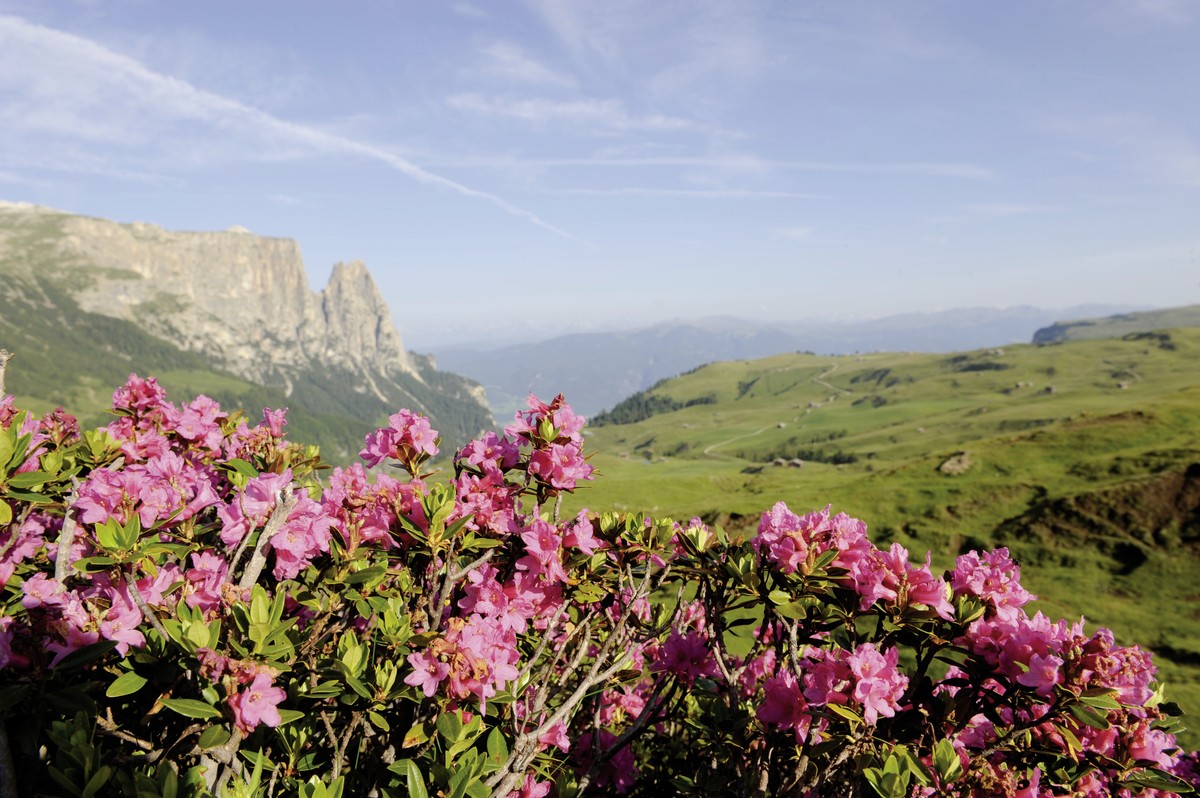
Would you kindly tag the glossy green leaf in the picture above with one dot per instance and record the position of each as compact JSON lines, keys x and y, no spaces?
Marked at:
{"x":191,"y":708}
{"x":125,"y":684}
{"x":213,"y":737}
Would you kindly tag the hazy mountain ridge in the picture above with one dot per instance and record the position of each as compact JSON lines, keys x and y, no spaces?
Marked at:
{"x":597,"y":370}
{"x":232,"y":304}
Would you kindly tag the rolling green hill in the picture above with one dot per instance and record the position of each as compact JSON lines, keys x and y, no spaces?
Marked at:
{"x":1083,"y":457}
{"x":1119,"y":325}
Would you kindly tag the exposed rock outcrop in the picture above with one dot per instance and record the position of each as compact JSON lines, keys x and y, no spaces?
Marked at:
{"x":243,"y":303}
{"x":242,"y":300}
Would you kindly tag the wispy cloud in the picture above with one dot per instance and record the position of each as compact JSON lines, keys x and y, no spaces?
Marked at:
{"x":65,"y":87}
{"x":596,"y":115}
{"x":1161,"y":152}
{"x":469,"y":11}
{"x":507,"y":61}
{"x":751,"y":163}
{"x":289,"y":200}
{"x":1009,"y":209}
{"x":800,"y":233}
{"x":689,"y":193}
{"x":1169,"y":11}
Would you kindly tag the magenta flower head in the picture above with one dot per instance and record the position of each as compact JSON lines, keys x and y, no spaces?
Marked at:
{"x":543,"y":424}
{"x":407,"y":438}
{"x":258,"y":703}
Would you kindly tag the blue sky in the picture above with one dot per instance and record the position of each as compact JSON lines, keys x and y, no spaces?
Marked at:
{"x":509,"y":168}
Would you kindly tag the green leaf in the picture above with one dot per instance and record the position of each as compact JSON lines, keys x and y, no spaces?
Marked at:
{"x":1088,"y":717}
{"x":127,"y":535}
{"x":1155,"y":779}
{"x":98,"y":780}
{"x":795,"y":610}
{"x":414,"y":780}
{"x":90,"y":565}
{"x":5,"y":512}
{"x":326,"y":689}
{"x":30,"y":497}
{"x":1100,"y":701}
{"x":845,"y":712}
{"x":825,"y":558}
{"x":1073,"y":744}
{"x":450,"y":727}
{"x":497,"y":748}
{"x":86,"y":655}
{"x":379,"y":721}
{"x":779,"y":597}
{"x":213,"y":737}
{"x":365,"y":575}
{"x":29,"y":479}
{"x":191,"y":708}
{"x":125,"y":684}
{"x":946,"y":762}
{"x":287,"y":716}
{"x":242,"y":467}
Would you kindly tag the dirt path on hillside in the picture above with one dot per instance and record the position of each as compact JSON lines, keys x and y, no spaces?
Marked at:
{"x":708,"y":450}
{"x":820,"y":380}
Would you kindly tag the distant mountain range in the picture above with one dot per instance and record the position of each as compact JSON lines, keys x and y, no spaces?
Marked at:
{"x":596,"y":370}
{"x":228,"y":314}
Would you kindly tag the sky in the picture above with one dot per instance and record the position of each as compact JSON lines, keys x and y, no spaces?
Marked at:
{"x":524,"y":169}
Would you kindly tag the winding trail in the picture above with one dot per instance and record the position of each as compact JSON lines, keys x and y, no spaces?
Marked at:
{"x":708,"y":450}
{"x":819,"y":380}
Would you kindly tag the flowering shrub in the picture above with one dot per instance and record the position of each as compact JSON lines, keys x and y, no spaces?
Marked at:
{"x":189,"y":611}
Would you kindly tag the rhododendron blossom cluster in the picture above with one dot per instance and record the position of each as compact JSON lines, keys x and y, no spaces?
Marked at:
{"x":192,"y":607}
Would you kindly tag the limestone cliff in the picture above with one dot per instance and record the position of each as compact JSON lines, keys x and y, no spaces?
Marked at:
{"x":242,"y":302}
{"x":240,"y":299}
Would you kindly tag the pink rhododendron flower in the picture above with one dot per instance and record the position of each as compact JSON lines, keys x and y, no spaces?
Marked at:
{"x":563,"y":425}
{"x":407,"y":438}
{"x":491,"y":452}
{"x":1043,"y":673}
{"x":686,"y":656}
{"x":783,"y":705}
{"x":993,"y":577}
{"x":560,"y":466}
{"x":258,"y":703}
{"x":428,"y":672}
{"x":532,"y":788}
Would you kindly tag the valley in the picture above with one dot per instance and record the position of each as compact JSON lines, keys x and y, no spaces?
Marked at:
{"x":1082,"y":457}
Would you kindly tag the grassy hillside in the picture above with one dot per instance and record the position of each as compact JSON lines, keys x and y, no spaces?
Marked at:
{"x":1082,"y":457}
{"x":1119,"y":325}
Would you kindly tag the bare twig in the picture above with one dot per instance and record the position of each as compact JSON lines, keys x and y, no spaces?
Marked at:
{"x":147,"y":611}
{"x":5,"y":356}
{"x":110,"y":728}
{"x":284,"y":503}
{"x":66,"y":538}
{"x":471,"y":566}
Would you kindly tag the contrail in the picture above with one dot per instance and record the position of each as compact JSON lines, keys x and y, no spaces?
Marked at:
{"x":87,"y":60}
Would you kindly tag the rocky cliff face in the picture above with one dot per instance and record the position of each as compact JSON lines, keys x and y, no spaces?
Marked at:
{"x":241,"y":302}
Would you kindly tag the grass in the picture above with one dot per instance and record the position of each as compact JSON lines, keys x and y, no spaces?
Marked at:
{"x":1086,"y":482}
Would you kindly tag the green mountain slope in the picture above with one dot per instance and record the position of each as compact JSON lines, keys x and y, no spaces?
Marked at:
{"x":1119,"y":325}
{"x":1082,"y":457}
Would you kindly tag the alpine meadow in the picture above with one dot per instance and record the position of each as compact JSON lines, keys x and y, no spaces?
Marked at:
{"x":568,"y":399}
